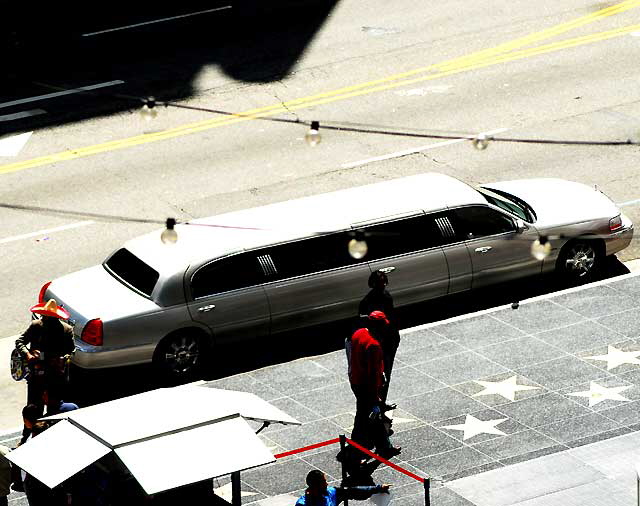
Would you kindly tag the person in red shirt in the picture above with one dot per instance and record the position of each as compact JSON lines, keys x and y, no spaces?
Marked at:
{"x":366,"y":376}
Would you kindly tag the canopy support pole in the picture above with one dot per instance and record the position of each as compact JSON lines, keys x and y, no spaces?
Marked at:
{"x":236,"y":498}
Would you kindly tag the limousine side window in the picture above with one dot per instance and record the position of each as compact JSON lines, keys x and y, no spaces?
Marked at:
{"x":230,"y":273}
{"x":447,"y":234}
{"x":311,"y":255}
{"x":401,"y":236}
{"x":481,"y":221}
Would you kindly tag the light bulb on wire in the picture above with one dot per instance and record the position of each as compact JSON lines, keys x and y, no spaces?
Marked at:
{"x":480,"y":142}
{"x":358,"y":246}
{"x":313,"y":137}
{"x":169,"y":235}
{"x":149,"y":110}
{"x":540,"y":248}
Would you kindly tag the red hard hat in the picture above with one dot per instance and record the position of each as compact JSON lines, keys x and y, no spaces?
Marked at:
{"x":378,"y":315}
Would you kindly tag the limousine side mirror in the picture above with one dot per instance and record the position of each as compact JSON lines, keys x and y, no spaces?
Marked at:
{"x":521,"y":226}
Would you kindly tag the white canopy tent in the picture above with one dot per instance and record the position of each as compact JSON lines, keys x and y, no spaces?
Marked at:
{"x":166,"y":438}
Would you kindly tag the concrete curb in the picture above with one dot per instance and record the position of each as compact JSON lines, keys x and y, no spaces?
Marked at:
{"x":547,"y":296}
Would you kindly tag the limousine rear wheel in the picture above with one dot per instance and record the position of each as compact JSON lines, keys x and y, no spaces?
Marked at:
{"x":579,"y":260}
{"x":180,"y":355}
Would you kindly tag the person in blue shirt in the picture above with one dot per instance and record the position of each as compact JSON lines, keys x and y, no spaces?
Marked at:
{"x":318,"y":493}
{"x":55,"y":405}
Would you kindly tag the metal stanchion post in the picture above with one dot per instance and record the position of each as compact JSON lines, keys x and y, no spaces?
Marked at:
{"x":343,"y":446}
{"x":236,"y":496}
{"x":427,"y":488}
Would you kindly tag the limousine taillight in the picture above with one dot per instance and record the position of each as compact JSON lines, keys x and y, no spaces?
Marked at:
{"x":92,"y":332}
{"x":615,"y":223}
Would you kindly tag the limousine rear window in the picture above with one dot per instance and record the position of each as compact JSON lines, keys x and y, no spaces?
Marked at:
{"x":129,"y":269}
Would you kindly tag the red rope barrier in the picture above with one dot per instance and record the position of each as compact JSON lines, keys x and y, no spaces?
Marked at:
{"x":385,"y":461}
{"x":307,"y":448}
{"x":359,"y":447}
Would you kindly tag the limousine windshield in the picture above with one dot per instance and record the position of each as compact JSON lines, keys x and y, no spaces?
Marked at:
{"x":509,"y":203}
{"x":130,"y":270}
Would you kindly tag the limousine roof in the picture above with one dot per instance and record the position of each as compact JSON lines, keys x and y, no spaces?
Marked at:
{"x":220,"y":235}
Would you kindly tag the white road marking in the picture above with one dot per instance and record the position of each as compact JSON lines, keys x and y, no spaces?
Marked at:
{"x":91,"y":34}
{"x":23,"y":114}
{"x":11,"y":146}
{"x":46,"y":231}
{"x":421,"y":92}
{"x":17,"y":431}
{"x":629,"y":203}
{"x":412,"y":151}
{"x":60,"y":93}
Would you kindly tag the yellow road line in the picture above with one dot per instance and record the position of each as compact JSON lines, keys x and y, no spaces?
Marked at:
{"x":484,"y":63}
{"x":464,"y":60}
{"x":507,"y":46}
{"x":517,"y":55}
{"x":499,"y":54}
{"x":541,"y":35}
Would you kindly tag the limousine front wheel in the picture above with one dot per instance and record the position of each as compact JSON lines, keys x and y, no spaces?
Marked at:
{"x":579,"y":260}
{"x":180,"y":355}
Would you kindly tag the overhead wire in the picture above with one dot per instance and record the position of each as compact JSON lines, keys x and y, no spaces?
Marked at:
{"x":361,"y":128}
{"x":387,"y":131}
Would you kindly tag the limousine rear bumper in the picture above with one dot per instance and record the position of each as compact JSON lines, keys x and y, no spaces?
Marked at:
{"x":99,"y":357}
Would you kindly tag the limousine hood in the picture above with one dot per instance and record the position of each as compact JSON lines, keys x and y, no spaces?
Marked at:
{"x":557,"y":201}
{"x":94,"y":293}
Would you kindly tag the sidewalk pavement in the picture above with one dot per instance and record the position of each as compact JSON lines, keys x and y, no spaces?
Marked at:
{"x":13,"y":393}
{"x":528,"y":406}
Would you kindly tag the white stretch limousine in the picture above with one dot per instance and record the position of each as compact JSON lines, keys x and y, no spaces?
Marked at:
{"x":282,"y":266}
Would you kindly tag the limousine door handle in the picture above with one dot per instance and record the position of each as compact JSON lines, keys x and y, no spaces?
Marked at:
{"x":387,"y":270}
{"x":484,"y":249}
{"x":205,"y":309}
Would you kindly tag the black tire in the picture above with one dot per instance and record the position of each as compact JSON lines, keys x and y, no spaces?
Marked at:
{"x":181,"y":355}
{"x":579,"y":261}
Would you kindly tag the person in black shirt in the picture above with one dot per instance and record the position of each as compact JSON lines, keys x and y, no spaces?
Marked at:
{"x":47,"y":346}
{"x":379,"y":299}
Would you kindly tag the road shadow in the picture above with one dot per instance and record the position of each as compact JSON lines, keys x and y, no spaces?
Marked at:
{"x":253,"y":42}
{"x":91,"y":387}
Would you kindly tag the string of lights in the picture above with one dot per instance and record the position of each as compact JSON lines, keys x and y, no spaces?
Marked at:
{"x":169,"y":223}
{"x":113,"y":217}
{"x":313,"y":137}
{"x":357,"y":245}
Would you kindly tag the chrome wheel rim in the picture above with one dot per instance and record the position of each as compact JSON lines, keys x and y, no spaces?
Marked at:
{"x":182,"y":354}
{"x":580,"y":260}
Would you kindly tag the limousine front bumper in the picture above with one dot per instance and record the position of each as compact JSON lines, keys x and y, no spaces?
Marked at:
{"x":621,"y":238}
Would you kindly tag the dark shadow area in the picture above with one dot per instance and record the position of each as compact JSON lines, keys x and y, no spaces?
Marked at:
{"x":65,"y":46}
{"x":91,"y":387}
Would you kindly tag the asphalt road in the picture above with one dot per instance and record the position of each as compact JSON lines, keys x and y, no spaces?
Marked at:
{"x":548,"y":70}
